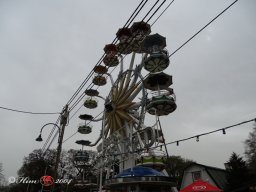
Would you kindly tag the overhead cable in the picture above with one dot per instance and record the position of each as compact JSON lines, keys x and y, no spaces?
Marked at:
{"x":202,"y":28}
{"x":162,"y":12}
{"x":28,"y":112}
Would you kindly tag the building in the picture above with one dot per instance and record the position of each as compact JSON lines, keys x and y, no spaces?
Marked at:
{"x":214,"y":176}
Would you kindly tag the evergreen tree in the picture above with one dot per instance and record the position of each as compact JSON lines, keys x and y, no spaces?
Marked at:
{"x":237,"y":173}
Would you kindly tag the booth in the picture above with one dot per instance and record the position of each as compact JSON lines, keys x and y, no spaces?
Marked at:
{"x":201,"y":186}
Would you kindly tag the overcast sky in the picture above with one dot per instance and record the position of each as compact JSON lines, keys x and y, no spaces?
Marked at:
{"x":47,"y":48}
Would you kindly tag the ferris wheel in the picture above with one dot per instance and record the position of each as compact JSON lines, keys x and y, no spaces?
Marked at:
{"x":139,"y":89}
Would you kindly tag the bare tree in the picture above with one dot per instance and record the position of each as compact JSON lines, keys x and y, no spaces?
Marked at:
{"x":2,"y":179}
{"x":250,"y":150}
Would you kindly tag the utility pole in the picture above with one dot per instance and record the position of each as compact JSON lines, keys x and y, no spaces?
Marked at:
{"x":63,"y":123}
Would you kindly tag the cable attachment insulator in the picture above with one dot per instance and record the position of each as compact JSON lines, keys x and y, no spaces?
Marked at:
{"x":64,"y":116}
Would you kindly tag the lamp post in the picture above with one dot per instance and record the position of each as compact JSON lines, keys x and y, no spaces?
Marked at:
{"x":63,"y":123}
{"x":39,"y":138}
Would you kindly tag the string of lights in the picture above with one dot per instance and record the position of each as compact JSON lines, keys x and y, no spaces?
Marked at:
{"x":28,"y":112}
{"x":223,"y":130}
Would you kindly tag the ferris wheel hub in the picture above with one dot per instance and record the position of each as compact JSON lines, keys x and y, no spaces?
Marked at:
{"x":109,"y":107}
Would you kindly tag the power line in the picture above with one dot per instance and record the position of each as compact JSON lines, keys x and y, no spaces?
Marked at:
{"x":150,"y":10}
{"x":203,"y":28}
{"x":155,"y":11}
{"x":135,"y":15}
{"x":162,"y":12}
{"x":28,"y":112}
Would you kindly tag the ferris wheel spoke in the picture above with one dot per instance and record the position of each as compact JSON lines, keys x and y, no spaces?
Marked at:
{"x":137,"y":71}
{"x":106,"y":131}
{"x":126,"y":94}
{"x":136,"y":91}
{"x":126,"y":105}
{"x":126,"y":87}
{"x":120,"y":87}
{"x":113,"y":92}
{"x":118,"y":121}
{"x":131,"y":66}
{"x":124,"y":115}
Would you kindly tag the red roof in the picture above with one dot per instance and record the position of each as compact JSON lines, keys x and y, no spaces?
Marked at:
{"x":201,"y":186}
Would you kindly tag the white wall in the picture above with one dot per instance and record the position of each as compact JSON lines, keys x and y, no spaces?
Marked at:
{"x":188,"y":179}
